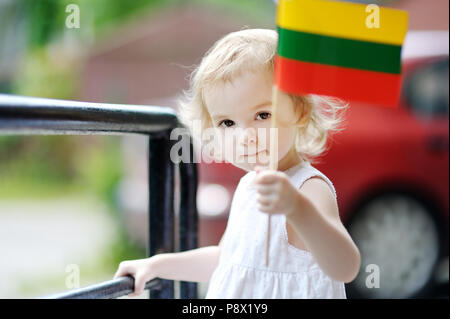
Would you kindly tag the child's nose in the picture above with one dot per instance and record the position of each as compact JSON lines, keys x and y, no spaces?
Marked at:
{"x":249,"y":136}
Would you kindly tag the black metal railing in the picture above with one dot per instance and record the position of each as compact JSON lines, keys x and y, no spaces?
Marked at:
{"x":38,"y":116}
{"x":106,"y":290}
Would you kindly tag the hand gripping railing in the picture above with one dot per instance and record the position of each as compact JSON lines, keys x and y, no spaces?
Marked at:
{"x":108,"y":289}
{"x":38,"y":116}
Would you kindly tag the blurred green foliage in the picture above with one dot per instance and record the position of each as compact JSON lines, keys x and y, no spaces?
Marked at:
{"x":42,"y":75}
{"x":46,"y":18}
{"x":50,"y":63}
{"x":46,"y":166}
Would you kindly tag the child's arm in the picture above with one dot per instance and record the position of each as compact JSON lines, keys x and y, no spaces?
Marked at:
{"x":315,"y":219}
{"x":313,"y":213}
{"x":193,"y":265}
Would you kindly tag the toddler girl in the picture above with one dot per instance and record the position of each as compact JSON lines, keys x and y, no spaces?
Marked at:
{"x":311,"y":253}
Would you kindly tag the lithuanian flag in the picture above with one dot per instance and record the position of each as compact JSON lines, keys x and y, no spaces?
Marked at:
{"x":347,"y":50}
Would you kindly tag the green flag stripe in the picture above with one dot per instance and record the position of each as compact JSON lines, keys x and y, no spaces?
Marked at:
{"x":341,"y":52}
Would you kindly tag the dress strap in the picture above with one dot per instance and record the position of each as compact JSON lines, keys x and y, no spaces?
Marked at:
{"x":307,"y":172}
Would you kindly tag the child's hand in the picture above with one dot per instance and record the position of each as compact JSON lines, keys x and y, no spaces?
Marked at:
{"x":276,"y":195}
{"x":142,"y":271}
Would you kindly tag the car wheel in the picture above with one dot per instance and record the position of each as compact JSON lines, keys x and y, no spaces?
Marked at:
{"x":398,"y":239}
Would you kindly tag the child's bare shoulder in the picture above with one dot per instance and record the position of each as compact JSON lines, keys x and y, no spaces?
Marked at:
{"x":319,"y":192}
{"x":317,"y":184}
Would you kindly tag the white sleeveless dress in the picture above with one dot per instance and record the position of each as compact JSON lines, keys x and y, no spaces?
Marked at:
{"x":292,"y":272}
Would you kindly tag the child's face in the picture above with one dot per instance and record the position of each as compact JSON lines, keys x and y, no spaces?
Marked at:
{"x":243,"y":108}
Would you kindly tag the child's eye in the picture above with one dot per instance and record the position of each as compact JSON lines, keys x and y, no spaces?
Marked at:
{"x":263,"y":116}
{"x":226,"y":123}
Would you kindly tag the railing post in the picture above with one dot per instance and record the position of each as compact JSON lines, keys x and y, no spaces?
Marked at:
{"x":161,"y":224}
{"x":39,"y":116}
{"x":188,"y":217}
{"x":161,"y":209}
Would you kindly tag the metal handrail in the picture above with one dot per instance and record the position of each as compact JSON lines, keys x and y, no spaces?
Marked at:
{"x":106,"y":290}
{"x":39,"y":116}
{"x":31,"y":115}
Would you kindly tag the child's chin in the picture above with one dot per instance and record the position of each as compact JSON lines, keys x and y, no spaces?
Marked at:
{"x":248,"y":166}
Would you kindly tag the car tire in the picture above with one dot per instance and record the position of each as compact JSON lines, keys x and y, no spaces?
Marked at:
{"x":399,"y":239}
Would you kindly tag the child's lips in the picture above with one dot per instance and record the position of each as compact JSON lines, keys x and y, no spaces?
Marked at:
{"x":247,"y":155}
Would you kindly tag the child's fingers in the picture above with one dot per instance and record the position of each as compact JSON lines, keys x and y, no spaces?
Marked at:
{"x":119,"y":273}
{"x":139,"y":284}
{"x":265,"y":208}
{"x":122,"y":271}
{"x":261,"y":172}
{"x":266,"y":200}
{"x":264,"y":189}
{"x":265,"y":177}
{"x":258,"y":169}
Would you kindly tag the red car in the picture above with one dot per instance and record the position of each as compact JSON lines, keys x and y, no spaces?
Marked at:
{"x":390,"y":168}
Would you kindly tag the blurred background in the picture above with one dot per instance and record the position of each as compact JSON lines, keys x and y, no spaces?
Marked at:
{"x":82,"y":200}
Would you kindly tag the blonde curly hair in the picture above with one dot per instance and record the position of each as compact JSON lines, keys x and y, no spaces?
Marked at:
{"x":250,"y":50}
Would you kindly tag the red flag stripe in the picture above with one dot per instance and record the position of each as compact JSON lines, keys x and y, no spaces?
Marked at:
{"x":297,"y":77}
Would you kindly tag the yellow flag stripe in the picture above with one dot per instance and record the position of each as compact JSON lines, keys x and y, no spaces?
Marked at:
{"x":343,"y":19}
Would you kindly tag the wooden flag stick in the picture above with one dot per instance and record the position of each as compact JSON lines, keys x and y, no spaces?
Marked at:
{"x":273,"y":164}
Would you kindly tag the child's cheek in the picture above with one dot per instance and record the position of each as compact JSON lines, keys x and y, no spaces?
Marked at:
{"x":286,"y":112}
{"x":229,"y":148}
{"x":286,"y":140}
